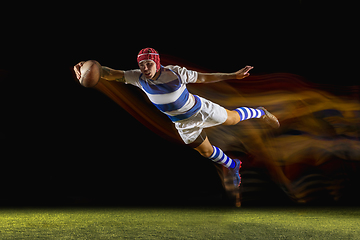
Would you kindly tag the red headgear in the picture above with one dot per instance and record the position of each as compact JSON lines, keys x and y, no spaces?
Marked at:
{"x":149,"y":54}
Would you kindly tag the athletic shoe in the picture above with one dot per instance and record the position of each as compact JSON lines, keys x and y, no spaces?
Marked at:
{"x":270,"y":118}
{"x":235,"y":172}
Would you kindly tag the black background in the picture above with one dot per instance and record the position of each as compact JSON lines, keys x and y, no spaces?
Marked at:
{"x":62,"y":143}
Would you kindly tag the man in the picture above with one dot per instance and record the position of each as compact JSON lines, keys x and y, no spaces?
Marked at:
{"x":166,"y":89}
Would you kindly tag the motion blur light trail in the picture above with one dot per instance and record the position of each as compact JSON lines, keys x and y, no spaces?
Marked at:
{"x":315,"y":152}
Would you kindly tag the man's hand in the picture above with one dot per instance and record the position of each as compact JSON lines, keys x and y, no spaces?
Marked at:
{"x":77,"y":69}
{"x":243,"y":73}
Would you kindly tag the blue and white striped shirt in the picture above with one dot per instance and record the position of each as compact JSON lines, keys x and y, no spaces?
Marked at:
{"x":168,"y":92}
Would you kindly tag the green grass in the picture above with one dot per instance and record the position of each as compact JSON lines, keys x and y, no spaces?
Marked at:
{"x":180,"y":223}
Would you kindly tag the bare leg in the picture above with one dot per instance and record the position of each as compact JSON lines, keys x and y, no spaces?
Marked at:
{"x":233,"y":118}
{"x":205,"y":148}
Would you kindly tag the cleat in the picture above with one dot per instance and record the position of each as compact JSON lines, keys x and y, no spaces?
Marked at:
{"x":235,"y":172}
{"x":269,"y":118}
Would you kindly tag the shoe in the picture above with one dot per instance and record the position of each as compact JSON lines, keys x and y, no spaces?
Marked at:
{"x":235,"y":172}
{"x":270,"y":118}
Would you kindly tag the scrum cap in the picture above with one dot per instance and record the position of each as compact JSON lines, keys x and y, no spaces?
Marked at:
{"x":149,"y":54}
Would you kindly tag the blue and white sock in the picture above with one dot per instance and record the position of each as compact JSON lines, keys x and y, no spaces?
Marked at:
{"x":220,"y":157}
{"x":247,"y":113}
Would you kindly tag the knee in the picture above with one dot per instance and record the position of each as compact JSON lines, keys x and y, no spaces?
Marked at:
{"x":205,"y":148}
{"x":205,"y":152}
{"x":233,"y":118}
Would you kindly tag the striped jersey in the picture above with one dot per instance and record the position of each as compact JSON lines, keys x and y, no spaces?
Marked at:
{"x":168,"y":92}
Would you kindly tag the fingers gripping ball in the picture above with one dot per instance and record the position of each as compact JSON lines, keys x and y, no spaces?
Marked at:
{"x":90,"y":73}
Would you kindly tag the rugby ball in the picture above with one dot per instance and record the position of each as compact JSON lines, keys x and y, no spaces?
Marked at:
{"x":90,"y":73}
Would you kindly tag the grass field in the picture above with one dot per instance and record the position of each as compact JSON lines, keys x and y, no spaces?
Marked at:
{"x":180,"y":223}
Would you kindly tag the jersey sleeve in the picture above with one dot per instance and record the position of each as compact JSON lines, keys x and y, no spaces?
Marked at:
{"x":132,"y":77}
{"x":187,"y":76}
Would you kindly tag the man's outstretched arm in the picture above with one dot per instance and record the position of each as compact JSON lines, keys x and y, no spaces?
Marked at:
{"x":110,"y":74}
{"x":216,"y":77}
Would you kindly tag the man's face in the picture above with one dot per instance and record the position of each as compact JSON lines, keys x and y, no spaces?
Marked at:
{"x":148,"y":68}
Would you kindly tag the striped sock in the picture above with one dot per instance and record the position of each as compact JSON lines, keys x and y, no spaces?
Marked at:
{"x":247,"y":113}
{"x":220,"y":157}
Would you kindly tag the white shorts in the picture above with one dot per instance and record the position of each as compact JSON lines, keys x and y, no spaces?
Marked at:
{"x":209,"y":115}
